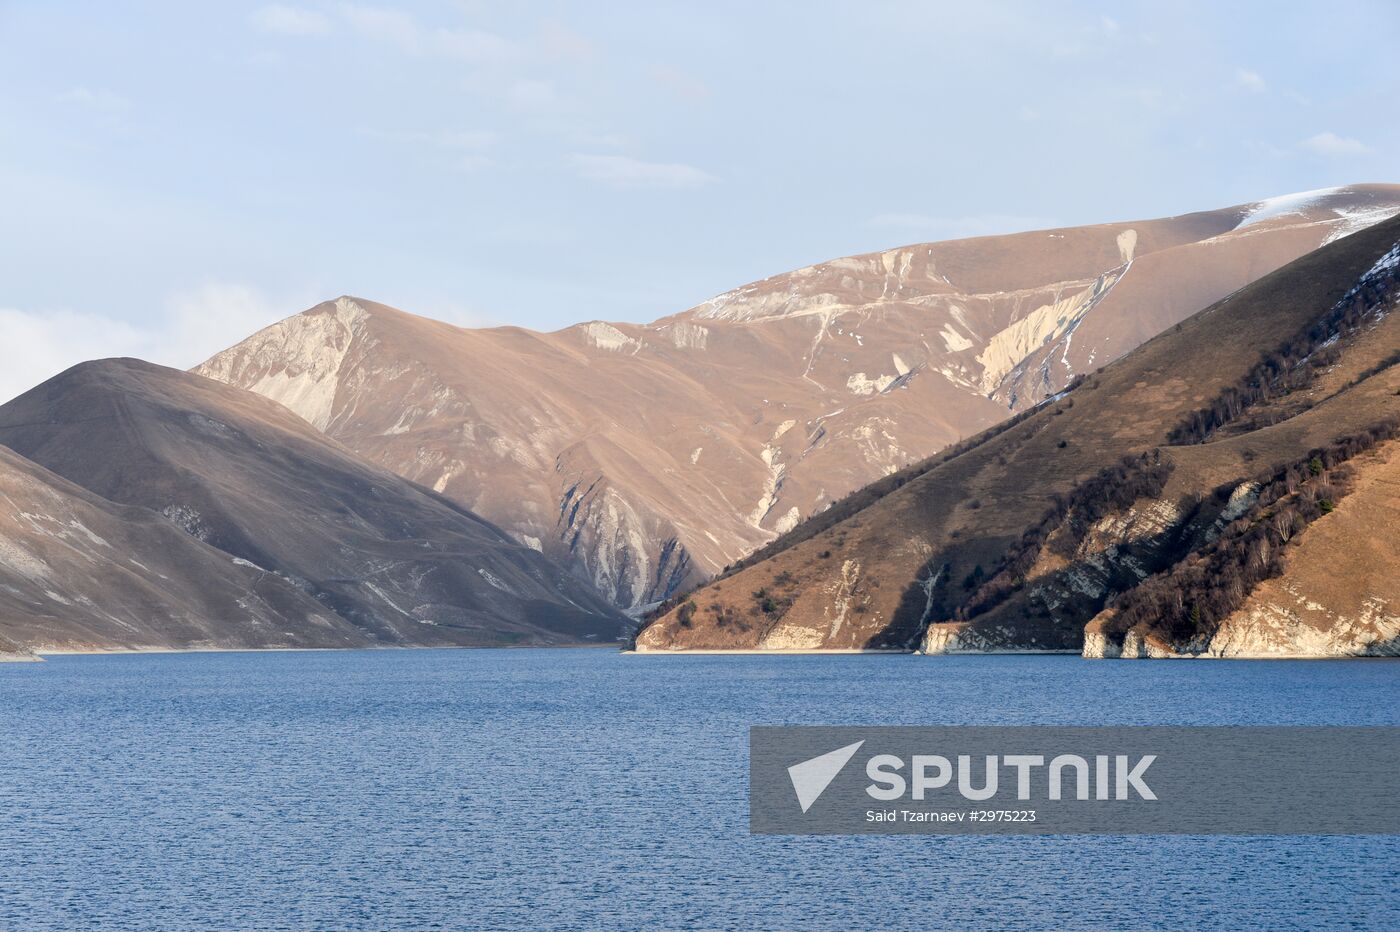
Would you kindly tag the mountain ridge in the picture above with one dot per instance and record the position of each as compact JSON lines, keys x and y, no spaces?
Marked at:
{"x":398,"y":564}
{"x":1017,"y":516}
{"x":650,"y":456}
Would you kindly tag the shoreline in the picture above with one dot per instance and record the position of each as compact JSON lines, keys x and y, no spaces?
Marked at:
{"x":39,"y":655}
{"x":737,"y":651}
{"x":103,"y":651}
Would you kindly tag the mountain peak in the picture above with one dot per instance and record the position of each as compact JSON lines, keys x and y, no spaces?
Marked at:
{"x":649,"y":457}
{"x":238,"y":472}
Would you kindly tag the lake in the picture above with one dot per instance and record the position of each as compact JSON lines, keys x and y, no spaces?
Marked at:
{"x":586,"y":788}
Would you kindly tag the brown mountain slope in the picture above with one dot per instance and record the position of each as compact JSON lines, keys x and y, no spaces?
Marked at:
{"x":400,"y":564}
{"x":1018,"y":541}
{"x":78,"y":572}
{"x":651,"y":456}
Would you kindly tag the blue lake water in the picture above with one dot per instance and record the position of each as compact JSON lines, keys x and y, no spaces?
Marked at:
{"x":584,"y":788}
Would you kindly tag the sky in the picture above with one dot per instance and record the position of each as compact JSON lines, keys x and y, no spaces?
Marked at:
{"x":175,"y":175}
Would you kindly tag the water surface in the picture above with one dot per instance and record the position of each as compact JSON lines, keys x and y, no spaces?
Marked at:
{"x":587,"y":788}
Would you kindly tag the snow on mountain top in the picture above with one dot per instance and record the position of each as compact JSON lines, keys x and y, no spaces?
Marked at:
{"x":1286,"y":204}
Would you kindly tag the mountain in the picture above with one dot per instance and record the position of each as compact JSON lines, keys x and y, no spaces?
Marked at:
{"x":1227,"y":489}
{"x":355,"y":555}
{"x":649,"y":457}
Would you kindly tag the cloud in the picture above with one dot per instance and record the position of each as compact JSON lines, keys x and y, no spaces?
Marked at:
{"x":623,"y":172}
{"x":290,"y":20}
{"x":204,"y":320}
{"x":958,"y":227}
{"x":405,"y":33}
{"x":1250,"y":80}
{"x":195,"y":325}
{"x":1329,"y":143}
{"x":39,"y":345}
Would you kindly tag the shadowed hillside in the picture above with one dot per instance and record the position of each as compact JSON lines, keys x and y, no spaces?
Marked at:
{"x":396,"y":563}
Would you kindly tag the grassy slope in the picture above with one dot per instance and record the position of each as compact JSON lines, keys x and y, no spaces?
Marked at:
{"x":851,"y":583}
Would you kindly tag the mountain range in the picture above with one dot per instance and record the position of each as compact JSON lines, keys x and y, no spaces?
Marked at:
{"x":1023,"y":442}
{"x":650,"y":456}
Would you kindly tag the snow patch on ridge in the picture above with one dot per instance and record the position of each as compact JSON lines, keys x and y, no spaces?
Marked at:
{"x":1355,"y":220}
{"x":1285,"y":205}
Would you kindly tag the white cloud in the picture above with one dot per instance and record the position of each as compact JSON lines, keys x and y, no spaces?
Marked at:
{"x":39,"y":345}
{"x":405,"y":33}
{"x":1250,"y":80}
{"x":196,"y":324}
{"x":623,"y":172}
{"x":290,"y":20}
{"x":1329,"y":143}
{"x":204,"y":320}
{"x":958,"y":227}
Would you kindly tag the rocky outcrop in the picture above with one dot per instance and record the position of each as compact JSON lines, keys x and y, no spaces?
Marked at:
{"x":1339,"y":594}
{"x":1307,"y":628}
